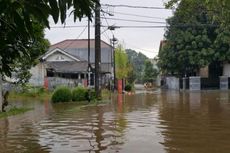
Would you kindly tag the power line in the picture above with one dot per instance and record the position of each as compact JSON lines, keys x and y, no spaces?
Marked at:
{"x":63,"y":27}
{"x":71,"y":42}
{"x":82,"y":32}
{"x":106,"y":34}
{"x":107,"y":22}
{"x":129,"y":20}
{"x":137,"y":15}
{"x":132,"y":6}
{"x":144,"y":50}
{"x":141,"y":27}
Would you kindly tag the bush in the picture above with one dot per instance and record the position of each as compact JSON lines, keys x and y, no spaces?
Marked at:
{"x":90,"y":94}
{"x":79,"y":94}
{"x":61,"y":94}
{"x":128,"y":87}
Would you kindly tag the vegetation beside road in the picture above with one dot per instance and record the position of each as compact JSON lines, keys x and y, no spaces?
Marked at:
{"x":14,"y":111}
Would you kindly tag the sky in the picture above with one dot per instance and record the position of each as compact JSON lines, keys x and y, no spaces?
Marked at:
{"x":144,"y":40}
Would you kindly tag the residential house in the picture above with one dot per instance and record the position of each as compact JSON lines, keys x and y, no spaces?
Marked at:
{"x":209,"y":75}
{"x":66,"y":63}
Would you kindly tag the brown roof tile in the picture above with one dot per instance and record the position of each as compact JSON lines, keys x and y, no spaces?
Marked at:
{"x":77,"y":43}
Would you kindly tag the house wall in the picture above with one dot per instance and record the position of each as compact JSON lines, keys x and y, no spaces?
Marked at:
{"x":203,"y":72}
{"x":226,"y":70}
{"x":38,"y":74}
{"x":57,"y":56}
{"x":83,"y":54}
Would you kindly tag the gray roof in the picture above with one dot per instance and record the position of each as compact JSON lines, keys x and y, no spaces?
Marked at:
{"x":75,"y":67}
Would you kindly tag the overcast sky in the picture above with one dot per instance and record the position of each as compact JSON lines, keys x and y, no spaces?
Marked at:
{"x":145,"y":40}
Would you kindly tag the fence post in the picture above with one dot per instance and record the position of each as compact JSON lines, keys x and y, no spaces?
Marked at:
{"x":184,"y":83}
{"x":223,"y":83}
{"x":195,"y":83}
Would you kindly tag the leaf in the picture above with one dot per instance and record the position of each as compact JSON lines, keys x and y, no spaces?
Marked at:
{"x":62,"y":7}
{"x":54,"y":10}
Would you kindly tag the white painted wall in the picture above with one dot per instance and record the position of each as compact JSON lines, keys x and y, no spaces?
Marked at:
{"x":57,"y":56}
{"x":226,"y":70}
{"x":38,"y":74}
{"x":172,"y":83}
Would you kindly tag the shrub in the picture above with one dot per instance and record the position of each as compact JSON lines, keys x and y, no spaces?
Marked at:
{"x":62,"y":94}
{"x":128,"y":87}
{"x":79,"y":94}
{"x":90,"y":94}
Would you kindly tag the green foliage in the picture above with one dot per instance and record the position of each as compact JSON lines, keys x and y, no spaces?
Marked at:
{"x":137,"y":61}
{"x":191,"y":40}
{"x":91,"y":95}
{"x":61,"y":94}
{"x":21,"y":29}
{"x":14,"y":111}
{"x":131,"y":75}
{"x":150,"y":73}
{"x":121,"y":63}
{"x":79,"y":94}
{"x":128,"y":87}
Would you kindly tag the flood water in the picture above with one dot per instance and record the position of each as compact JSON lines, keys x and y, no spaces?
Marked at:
{"x":159,"y":122}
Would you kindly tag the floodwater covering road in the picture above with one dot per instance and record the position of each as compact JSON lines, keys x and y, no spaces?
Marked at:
{"x":158,"y":122}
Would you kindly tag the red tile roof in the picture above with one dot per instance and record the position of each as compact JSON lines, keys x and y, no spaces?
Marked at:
{"x":77,"y":43}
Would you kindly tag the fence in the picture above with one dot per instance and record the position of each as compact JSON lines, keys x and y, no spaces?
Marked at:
{"x":53,"y":82}
{"x":197,"y":83}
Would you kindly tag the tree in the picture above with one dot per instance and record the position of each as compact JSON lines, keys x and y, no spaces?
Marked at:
{"x":190,"y":39}
{"x":18,"y":19}
{"x":18,"y":24}
{"x":150,"y":73}
{"x":138,"y":61}
{"x":121,"y":63}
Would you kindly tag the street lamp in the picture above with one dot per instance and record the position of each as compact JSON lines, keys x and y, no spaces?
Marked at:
{"x":114,"y":40}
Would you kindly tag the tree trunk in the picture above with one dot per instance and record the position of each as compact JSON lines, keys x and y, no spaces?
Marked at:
{"x":1,"y":97}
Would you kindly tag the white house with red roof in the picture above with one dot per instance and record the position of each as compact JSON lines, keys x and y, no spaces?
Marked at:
{"x":66,"y":63}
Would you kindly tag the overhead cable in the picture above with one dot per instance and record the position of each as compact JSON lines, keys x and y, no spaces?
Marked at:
{"x":129,"y":20}
{"x":137,"y":15}
{"x":132,"y":6}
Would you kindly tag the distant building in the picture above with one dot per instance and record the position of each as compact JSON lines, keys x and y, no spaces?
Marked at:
{"x":66,"y":63}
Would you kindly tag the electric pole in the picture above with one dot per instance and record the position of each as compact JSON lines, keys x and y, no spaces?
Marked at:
{"x":97,"y":49}
{"x":89,"y":67}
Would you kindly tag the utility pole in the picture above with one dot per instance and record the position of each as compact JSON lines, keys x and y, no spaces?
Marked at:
{"x":97,"y":49}
{"x":89,"y":67}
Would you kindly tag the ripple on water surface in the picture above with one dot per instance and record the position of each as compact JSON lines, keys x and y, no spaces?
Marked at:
{"x":166,"y":122}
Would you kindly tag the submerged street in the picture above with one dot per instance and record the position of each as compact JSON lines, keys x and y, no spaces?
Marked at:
{"x":159,"y":122}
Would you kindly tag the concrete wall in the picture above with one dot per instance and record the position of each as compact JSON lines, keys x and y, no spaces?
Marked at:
{"x":57,"y":56}
{"x":54,"y":82}
{"x":195,"y":83}
{"x":223,"y":82}
{"x":226,"y":70}
{"x":172,"y":83}
{"x":38,"y":73}
{"x":106,"y":54}
{"x":203,"y":72}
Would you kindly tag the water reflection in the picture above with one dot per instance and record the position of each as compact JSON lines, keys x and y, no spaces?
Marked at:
{"x":195,"y":122}
{"x":161,"y":122}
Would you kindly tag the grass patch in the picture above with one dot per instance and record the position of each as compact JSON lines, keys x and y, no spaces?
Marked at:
{"x":14,"y":111}
{"x":84,"y":104}
{"x":16,"y":95}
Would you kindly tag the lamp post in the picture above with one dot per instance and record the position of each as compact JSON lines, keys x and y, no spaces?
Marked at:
{"x":114,"y":66}
{"x":114,"y":40}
